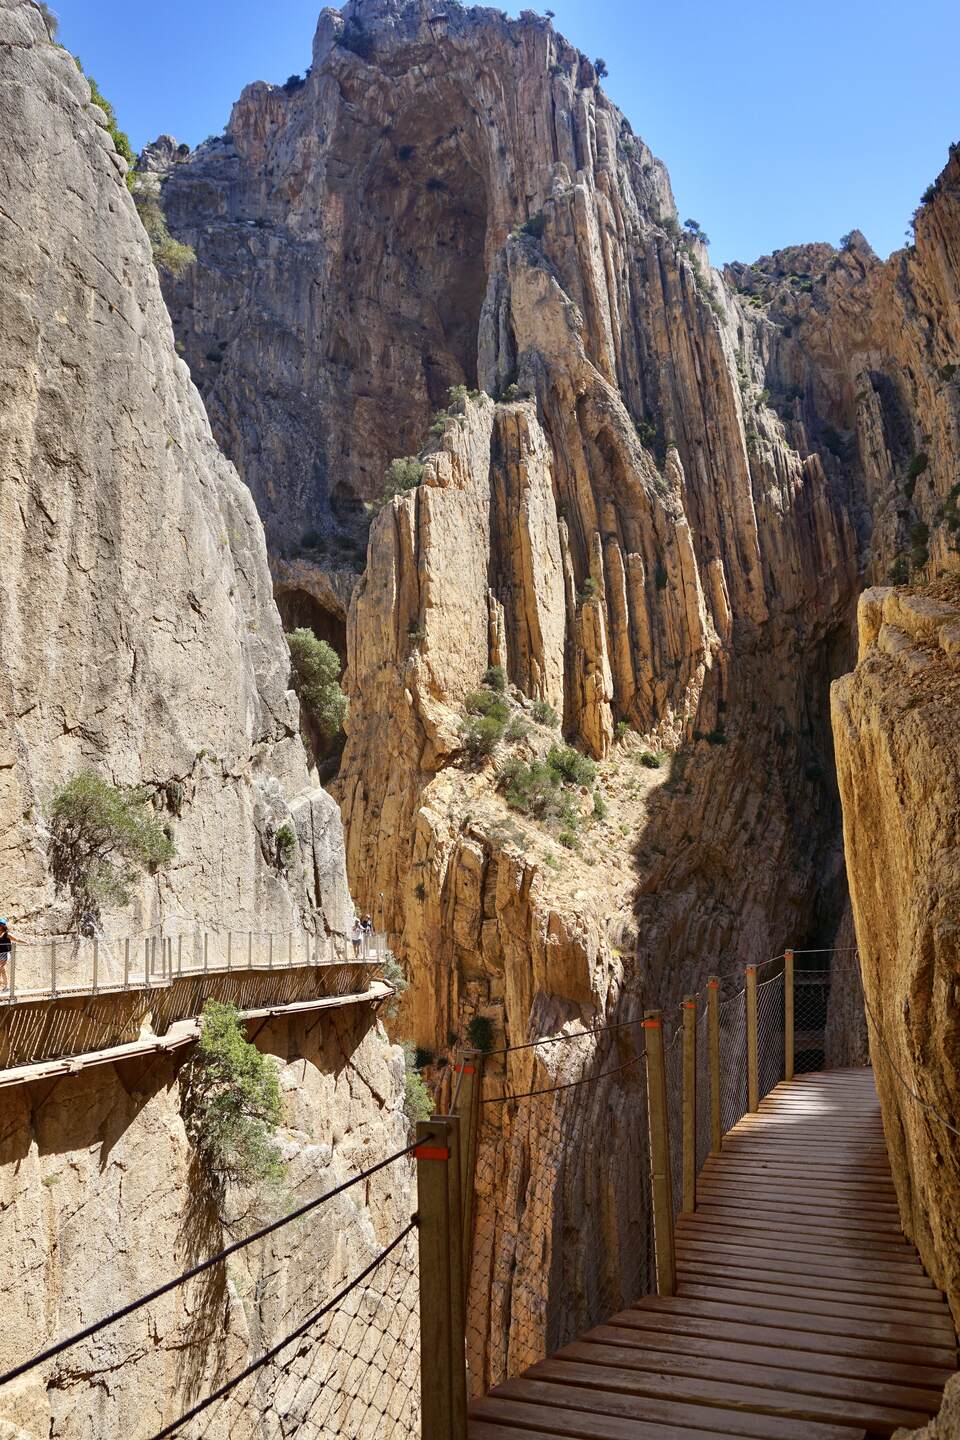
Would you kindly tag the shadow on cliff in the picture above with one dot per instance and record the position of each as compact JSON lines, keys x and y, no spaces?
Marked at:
{"x":741,"y":853}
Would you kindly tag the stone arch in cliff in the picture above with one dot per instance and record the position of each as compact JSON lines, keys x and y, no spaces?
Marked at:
{"x":418,"y":243}
{"x":298,"y":607}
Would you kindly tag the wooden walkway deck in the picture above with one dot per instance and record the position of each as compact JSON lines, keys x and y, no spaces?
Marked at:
{"x":801,"y":1313}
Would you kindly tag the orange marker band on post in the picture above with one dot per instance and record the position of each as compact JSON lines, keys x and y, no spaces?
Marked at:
{"x":432,"y":1152}
{"x":651,"y":1024}
{"x":689,"y":1004}
{"x":465,"y":1069}
{"x":713,"y":984}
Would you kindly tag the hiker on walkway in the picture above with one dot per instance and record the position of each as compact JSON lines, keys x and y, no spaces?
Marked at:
{"x":7,"y":942}
{"x":367,"y":936}
{"x":357,"y":935}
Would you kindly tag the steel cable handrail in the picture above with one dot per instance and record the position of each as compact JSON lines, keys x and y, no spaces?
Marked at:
{"x":93,"y":1329}
{"x":301,"y":1329}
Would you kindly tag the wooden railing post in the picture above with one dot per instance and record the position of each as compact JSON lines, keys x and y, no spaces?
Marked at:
{"x":689,"y":1198}
{"x":13,"y":972}
{"x":713,"y":1047}
{"x":53,"y":967}
{"x":271,"y":949}
{"x":470,"y":1073}
{"x":443,"y":1373}
{"x":126,"y":964}
{"x":206,"y":951}
{"x":753,"y":1084}
{"x":229,"y":950}
{"x":96,"y":962}
{"x":788,"y":1021}
{"x":659,"y":1155}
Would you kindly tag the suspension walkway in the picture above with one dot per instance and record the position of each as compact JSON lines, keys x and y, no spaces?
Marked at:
{"x":800,"y":1313}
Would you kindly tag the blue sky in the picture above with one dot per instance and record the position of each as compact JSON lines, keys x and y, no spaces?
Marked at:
{"x":778,"y":123}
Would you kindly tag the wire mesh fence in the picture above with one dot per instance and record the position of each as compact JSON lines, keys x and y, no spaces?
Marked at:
{"x":770,"y":1033}
{"x":703,"y":1127}
{"x":733,"y":1060}
{"x":562,"y":1235}
{"x":673,"y":1071}
{"x":811,"y":998}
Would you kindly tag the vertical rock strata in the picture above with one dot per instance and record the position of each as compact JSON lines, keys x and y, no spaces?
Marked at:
{"x":657,"y":511}
{"x":139,"y":632}
{"x":139,"y":636}
{"x":896,"y":720}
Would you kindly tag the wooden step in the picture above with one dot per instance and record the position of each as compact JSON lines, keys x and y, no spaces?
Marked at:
{"x":726,"y":1395}
{"x":759,"y":1352}
{"x":884,"y":1402}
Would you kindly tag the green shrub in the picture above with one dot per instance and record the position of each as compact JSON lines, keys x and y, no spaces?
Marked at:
{"x":919,"y":543}
{"x":168,"y":254}
{"x":315,"y":676}
{"x":417,"y":1100}
{"x":487,"y":702}
{"x":232,"y":1101}
{"x":588,"y":589}
{"x":531,"y":789}
{"x":480,"y":1033}
{"x":101,"y":839}
{"x":917,"y":466}
{"x":599,"y":805}
{"x":568,"y":840}
{"x":545,"y":714}
{"x":121,"y":141}
{"x":533,"y":227}
{"x":600,"y":66}
{"x":552,"y":860}
{"x":403,"y":474}
{"x":392,"y":972}
{"x":422,"y":1058}
{"x":620,"y":730}
{"x":570,"y":765}
{"x":420,"y":890}
{"x":518,"y":729}
{"x":496,"y":678}
{"x":286,"y":845}
{"x":482,"y":734}
{"x":929,"y":193}
{"x":649,"y":760}
{"x":947,"y":372}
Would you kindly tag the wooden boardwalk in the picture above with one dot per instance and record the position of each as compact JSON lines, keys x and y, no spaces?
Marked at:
{"x":801,"y":1312}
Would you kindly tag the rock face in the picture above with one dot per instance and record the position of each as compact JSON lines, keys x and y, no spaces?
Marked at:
{"x":651,"y":503}
{"x":103,"y":1198}
{"x":139,"y":636}
{"x":896,"y":720}
{"x":139,"y":633}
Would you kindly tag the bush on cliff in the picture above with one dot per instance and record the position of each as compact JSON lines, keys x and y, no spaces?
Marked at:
{"x":315,"y":676}
{"x":121,"y":141}
{"x":232,"y":1101}
{"x":417,"y":1100}
{"x":101,"y":839}
{"x":403,"y":474}
{"x":168,"y":254}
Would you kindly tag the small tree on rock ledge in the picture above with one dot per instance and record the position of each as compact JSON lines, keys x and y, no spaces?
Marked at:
{"x":101,"y":839}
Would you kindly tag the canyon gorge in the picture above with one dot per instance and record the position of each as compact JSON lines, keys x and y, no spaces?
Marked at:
{"x":593,"y":528}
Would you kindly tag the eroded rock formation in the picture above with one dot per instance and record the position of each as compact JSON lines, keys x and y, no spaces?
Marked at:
{"x":652,"y":503}
{"x":139,"y":632}
{"x":896,"y":723}
{"x":139,"y":636}
{"x":103,"y":1198}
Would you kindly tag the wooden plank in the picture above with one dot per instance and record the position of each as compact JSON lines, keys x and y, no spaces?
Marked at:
{"x":763,"y":1329}
{"x":783,"y":1356}
{"x":884,"y":1399}
{"x":908,"y":1273}
{"x":728,"y":1395}
{"x":929,"y":1326}
{"x":796,"y":1237}
{"x":759,"y":1309}
{"x":775,"y":1282}
{"x":838,"y":1224}
{"x":518,"y":1429}
{"x":568,"y":1398}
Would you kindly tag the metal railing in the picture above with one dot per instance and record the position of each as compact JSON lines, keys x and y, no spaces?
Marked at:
{"x":552,"y":1123}
{"x":63,"y":965}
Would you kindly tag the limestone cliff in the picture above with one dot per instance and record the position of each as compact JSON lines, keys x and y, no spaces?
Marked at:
{"x":139,"y":631}
{"x":103,"y":1198}
{"x":896,"y":723}
{"x":139,"y":635}
{"x":648,"y":502}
